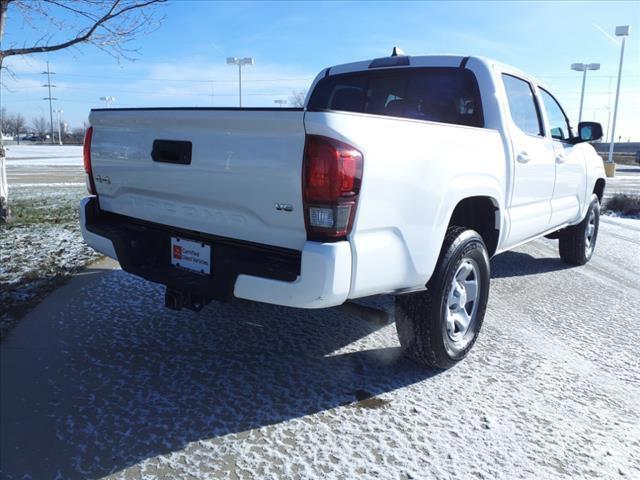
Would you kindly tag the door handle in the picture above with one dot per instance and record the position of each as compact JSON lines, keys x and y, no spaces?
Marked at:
{"x":523,"y":157}
{"x":560,"y":158}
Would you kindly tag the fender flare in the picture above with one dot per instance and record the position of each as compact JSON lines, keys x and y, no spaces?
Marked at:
{"x":468,"y":186}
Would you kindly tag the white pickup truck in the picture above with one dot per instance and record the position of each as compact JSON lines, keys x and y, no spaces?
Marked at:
{"x":401,"y":175}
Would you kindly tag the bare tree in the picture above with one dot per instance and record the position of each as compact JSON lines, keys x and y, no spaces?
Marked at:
{"x":40,"y":127}
{"x":3,"y":119}
{"x":8,"y":127}
{"x":19,"y":125}
{"x":9,"y":124}
{"x":14,"y":125}
{"x":297,"y":98}
{"x":76,"y":135}
{"x":106,"y":24}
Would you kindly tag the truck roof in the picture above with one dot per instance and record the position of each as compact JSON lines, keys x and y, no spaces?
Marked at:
{"x":440,"y":60}
{"x":401,"y":60}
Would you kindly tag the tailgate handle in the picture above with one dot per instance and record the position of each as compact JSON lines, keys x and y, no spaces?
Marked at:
{"x":172,"y":151}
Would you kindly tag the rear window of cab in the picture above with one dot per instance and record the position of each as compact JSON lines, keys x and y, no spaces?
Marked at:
{"x":447,"y":95}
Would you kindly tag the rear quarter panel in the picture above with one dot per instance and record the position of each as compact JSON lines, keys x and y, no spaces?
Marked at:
{"x":415,"y":173}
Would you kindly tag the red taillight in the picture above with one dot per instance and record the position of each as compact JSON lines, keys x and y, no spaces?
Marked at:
{"x":332,"y":174}
{"x":86,"y":151}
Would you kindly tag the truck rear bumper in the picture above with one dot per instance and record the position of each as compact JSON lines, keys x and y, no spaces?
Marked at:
{"x":98,"y":243}
{"x":319,"y":276}
{"x":325,"y":277}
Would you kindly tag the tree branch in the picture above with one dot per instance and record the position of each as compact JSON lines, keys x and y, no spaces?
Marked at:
{"x":84,"y":37}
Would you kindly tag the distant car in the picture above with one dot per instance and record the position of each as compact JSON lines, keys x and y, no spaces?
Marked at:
{"x":401,"y":175}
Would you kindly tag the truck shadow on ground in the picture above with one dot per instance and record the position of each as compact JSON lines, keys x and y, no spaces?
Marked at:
{"x":128,"y":380}
{"x":517,"y":264}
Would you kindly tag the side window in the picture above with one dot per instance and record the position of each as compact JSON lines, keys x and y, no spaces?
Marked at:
{"x":523,"y":105}
{"x":558,"y":122}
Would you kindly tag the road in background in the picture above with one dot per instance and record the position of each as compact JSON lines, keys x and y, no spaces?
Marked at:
{"x":102,"y":380}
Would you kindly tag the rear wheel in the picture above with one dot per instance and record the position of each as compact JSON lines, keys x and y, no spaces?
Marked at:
{"x":578,"y":242}
{"x":439,"y":326}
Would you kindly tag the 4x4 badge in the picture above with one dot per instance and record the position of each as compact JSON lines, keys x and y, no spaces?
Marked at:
{"x":284,"y":207}
{"x":105,"y":179}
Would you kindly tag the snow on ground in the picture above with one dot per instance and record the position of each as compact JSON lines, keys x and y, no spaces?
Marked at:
{"x":122,"y":388}
{"x":30,"y":155}
{"x":40,"y":246}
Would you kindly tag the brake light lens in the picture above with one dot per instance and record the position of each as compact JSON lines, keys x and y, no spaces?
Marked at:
{"x":86,"y":151}
{"x":332,"y":175}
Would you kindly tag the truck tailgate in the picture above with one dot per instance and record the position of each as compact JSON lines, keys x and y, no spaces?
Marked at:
{"x":242,"y":181}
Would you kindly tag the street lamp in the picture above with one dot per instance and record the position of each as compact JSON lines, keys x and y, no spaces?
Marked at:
{"x":280,"y":102}
{"x":608,"y":109}
{"x":108,"y":100}
{"x":583,"y":67}
{"x":621,"y":31}
{"x":240,"y":62}
{"x":59,"y":111}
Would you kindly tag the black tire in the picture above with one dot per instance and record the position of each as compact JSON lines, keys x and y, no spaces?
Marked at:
{"x":421,"y":317}
{"x":576,"y":247}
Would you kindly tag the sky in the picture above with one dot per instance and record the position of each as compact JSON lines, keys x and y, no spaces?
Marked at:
{"x":183,"y":62}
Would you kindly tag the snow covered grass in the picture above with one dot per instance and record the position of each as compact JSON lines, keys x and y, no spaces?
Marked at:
{"x":40,"y":246}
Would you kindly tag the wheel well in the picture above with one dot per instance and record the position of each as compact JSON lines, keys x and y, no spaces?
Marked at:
{"x":479,"y":214}
{"x":598,"y":189}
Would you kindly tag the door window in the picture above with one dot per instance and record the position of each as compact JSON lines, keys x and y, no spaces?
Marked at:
{"x":558,"y":121}
{"x":523,"y":105}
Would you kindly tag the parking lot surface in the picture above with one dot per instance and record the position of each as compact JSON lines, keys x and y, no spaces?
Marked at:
{"x":102,"y":381}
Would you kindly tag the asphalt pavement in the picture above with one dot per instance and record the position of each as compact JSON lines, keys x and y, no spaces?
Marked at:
{"x":100,"y":380}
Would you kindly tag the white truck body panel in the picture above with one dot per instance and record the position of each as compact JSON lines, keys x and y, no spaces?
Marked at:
{"x":325,"y":279}
{"x":97,"y":242}
{"x":422,"y":174}
{"x":415,"y":172}
{"x":243,"y":163}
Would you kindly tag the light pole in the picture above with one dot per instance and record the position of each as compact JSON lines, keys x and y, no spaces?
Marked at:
{"x":608,"y":109}
{"x":583,"y":67}
{"x":240,"y":62}
{"x":621,"y":31}
{"x":280,"y":102}
{"x":108,"y":100}
{"x":59,"y":111}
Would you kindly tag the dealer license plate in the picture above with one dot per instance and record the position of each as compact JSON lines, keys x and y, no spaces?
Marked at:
{"x":191,"y":255}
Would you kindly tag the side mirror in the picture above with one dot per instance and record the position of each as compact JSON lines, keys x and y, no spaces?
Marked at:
{"x":589,"y":132}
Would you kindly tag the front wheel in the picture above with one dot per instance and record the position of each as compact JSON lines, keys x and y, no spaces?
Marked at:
{"x":439,"y":326}
{"x":578,"y":242}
